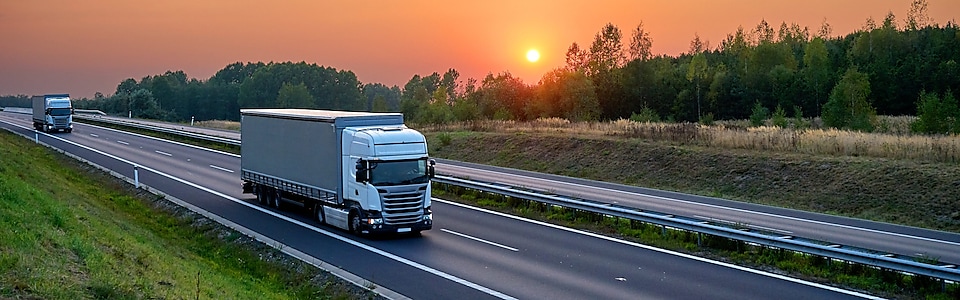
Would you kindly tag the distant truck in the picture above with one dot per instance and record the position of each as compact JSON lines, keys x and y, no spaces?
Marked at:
{"x":52,"y":113}
{"x":361,"y":172}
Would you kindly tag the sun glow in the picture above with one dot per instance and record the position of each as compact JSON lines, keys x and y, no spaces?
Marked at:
{"x":533,"y":55}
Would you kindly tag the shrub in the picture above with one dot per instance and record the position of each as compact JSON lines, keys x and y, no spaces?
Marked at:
{"x":935,"y":115}
{"x":759,"y":115}
{"x":646,"y":115}
{"x":779,"y":117}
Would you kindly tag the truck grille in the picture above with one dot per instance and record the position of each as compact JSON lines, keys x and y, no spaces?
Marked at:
{"x":402,"y":204}
{"x":60,"y":122}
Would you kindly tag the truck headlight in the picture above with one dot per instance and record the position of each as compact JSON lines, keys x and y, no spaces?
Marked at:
{"x":376,"y":221}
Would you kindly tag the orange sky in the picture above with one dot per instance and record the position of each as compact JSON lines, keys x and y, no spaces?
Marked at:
{"x":81,"y":47}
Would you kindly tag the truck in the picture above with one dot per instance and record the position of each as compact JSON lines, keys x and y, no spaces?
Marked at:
{"x":366,"y":173}
{"x":52,"y":112}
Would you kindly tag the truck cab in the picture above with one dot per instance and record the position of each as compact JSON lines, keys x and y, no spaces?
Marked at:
{"x":53,"y":113}
{"x":389,"y":174}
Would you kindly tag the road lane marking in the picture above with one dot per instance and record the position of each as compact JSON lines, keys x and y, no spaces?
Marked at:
{"x":665,"y":251}
{"x":479,"y":240}
{"x":220,"y":168}
{"x":94,"y":135}
{"x":122,"y":142}
{"x":162,"y":153}
{"x":378,"y":251}
{"x":718,"y":206}
{"x":163,"y":140}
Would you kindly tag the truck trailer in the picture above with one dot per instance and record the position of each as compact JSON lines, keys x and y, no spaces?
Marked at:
{"x":361,"y":172}
{"x":53,"y":112}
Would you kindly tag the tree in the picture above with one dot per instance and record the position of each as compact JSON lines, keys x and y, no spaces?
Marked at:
{"x":576,"y":58}
{"x":917,"y":17}
{"x":848,"y":106}
{"x":935,"y":115}
{"x":825,"y":30}
{"x":695,"y":74}
{"x":640,"y":44}
{"x":606,"y":52}
{"x":697,"y":45}
{"x":816,"y":69}
{"x":294,"y":96}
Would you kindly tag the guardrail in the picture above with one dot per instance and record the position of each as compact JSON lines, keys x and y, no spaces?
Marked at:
{"x":821,"y":248}
{"x":863,"y":256}
{"x":163,"y":130}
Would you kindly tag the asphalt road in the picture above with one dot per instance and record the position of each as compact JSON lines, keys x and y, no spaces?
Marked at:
{"x":884,"y":237}
{"x":470,"y":254}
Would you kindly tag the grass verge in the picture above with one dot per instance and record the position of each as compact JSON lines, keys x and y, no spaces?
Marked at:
{"x":73,"y":232}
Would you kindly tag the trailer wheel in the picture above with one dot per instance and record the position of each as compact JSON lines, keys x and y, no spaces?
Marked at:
{"x":273,"y":198}
{"x":261,"y":195}
{"x":354,"y":222}
{"x":318,"y":213}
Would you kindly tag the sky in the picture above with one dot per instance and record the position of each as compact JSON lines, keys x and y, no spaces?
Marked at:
{"x":84,"y":46}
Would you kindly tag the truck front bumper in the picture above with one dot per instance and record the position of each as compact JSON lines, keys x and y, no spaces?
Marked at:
{"x":389,"y":228}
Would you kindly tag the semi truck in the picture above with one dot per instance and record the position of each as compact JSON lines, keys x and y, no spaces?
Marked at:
{"x":362,"y":172}
{"x":52,"y":112}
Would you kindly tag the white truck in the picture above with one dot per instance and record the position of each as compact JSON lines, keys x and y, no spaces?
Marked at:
{"x":53,"y":112}
{"x":361,"y":172}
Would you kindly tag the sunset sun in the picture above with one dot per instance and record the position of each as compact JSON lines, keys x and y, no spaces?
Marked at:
{"x":533,"y":55}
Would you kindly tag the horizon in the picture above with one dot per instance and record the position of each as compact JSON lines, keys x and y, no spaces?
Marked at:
{"x":380,"y":42}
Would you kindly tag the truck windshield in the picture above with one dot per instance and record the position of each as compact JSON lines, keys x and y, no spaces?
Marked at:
{"x":59,"y":111}
{"x":399,"y":172}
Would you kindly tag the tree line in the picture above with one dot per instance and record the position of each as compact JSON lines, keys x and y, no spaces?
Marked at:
{"x":883,"y":68}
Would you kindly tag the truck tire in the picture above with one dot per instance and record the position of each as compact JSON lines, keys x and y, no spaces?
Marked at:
{"x":354,"y":222}
{"x":318,"y":214}
{"x":275,"y":198}
{"x":262,"y":195}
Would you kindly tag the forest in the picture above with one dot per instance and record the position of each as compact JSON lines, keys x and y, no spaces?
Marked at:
{"x":890,"y":67}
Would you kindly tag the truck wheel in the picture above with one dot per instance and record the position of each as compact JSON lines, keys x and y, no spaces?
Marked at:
{"x":354,"y":223}
{"x":275,"y":198}
{"x":261,"y":196}
{"x":318,"y":213}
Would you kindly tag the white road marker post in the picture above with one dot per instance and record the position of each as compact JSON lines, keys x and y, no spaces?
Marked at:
{"x":136,"y":176}
{"x":36,"y":136}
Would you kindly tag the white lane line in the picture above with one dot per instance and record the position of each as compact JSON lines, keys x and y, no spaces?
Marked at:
{"x":122,"y":142}
{"x":221,"y":168}
{"x":726,"y":208}
{"x":94,"y":135}
{"x":162,"y":153}
{"x":665,"y":251}
{"x":386,"y":254}
{"x":163,"y":140}
{"x":479,"y":240}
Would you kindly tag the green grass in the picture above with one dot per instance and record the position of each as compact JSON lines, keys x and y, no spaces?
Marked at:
{"x":72,"y":232}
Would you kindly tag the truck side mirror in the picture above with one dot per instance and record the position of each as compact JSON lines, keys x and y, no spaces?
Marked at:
{"x":432,"y":170}
{"x":361,"y":172}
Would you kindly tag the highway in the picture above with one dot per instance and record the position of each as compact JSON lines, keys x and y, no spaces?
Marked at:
{"x":470,"y":254}
{"x":888,"y":238}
